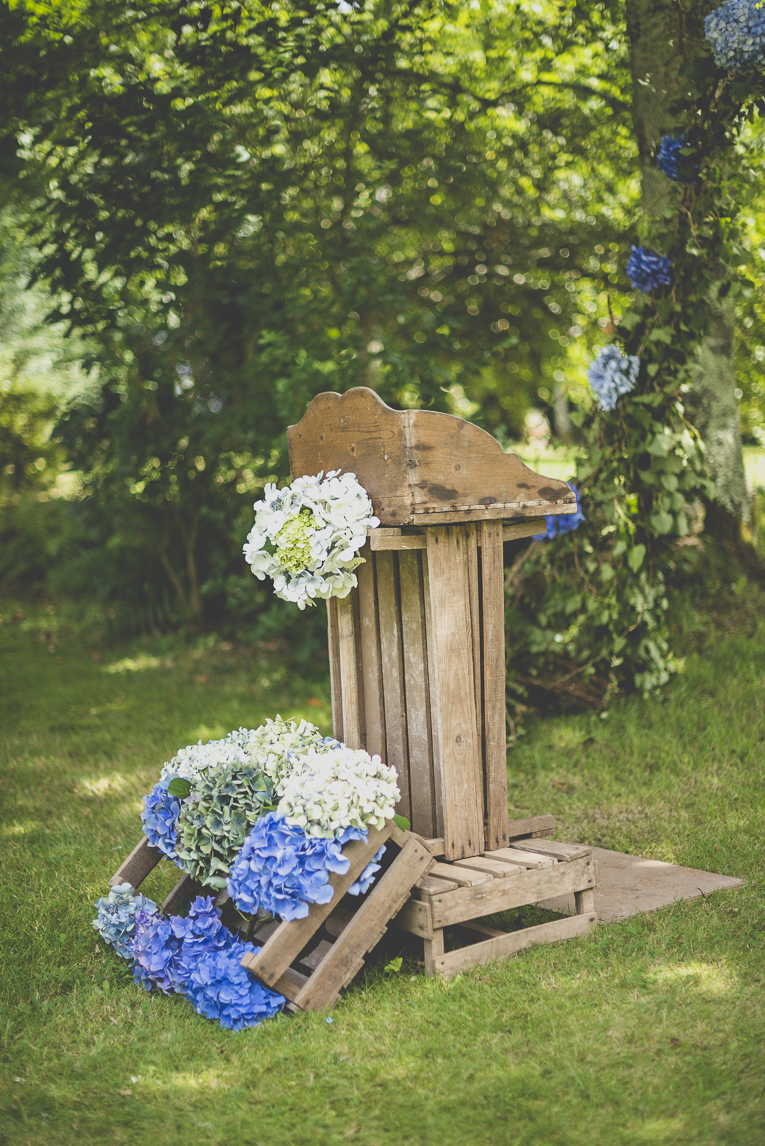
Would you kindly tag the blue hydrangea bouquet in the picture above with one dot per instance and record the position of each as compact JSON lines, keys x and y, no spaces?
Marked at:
{"x":262,"y":814}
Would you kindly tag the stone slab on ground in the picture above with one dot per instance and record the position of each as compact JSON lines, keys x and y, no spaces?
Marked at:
{"x":629,"y":885}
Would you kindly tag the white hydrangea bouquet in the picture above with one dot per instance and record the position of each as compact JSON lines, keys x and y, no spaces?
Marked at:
{"x":307,"y":535}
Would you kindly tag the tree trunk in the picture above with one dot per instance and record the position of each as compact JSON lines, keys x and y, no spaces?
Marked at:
{"x":657,"y":31}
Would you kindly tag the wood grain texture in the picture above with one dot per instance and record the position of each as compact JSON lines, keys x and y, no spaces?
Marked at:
{"x":351,"y":694}
{"x":585,"y":901}
{"x":474,"y":597}
{"x":493,"y":672}
{"x":366,"y":928}
{"x":504,"y":894}
{"x":433,"y":688}
{"x":564,"y":853}
{"x":417,"y":918}
{"x":419,"y":464}
{"x":290,"y":938}
{"x":501,"y":946}
{"x":395,"y":539}
{"x":513,"y":530}
{"x":371,"y":657}
{"x":422,"y":796}
{"x":486,"y":863}
{"x":397,"y":542}
{"x":133,"y":870}
{"x":531,"y":826}
{"x":335,"y":676}
{"x":450,"y":636}
{"x":393,"y":676}
{"x":463,"y":877}
{"x":523,"y":857}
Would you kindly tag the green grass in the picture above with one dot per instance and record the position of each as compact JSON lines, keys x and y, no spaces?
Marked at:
{"x":650,"y":1031}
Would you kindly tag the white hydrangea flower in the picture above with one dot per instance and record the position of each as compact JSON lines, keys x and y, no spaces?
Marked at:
{"x":339,"y":788}
{"x":306,"y":536}
{"x":270,"y":748}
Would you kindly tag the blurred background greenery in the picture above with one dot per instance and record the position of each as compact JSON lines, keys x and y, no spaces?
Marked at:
{"x":209,"y":213}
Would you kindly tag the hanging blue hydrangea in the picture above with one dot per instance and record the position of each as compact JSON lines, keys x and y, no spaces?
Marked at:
{"x":562,"y":522}
{"x":671,"y":163}
{"x":282,"y":870}
{"x":612,"y":374}
{"x":646,"y":270}
{"x":220,"y":988}
{"x":736,"y":35}
{"x":367,"y":877}
{"x":201,"y":933}
{"x":160,"y":818}
{"x":115,"y":921}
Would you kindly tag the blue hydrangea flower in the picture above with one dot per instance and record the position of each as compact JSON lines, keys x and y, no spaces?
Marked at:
{"x":367,"y":877}
{"x":670,"y":161}
{"x":220,"y":988}
{"x":736,"y":34}
{"x":154,"y":951}
{"x":562,"y":522}
{"x":646,"y":270}
{"x":282,"y":870}
{"x":612,"y":374}
{"x":115,"y":921}
{"x":160,"y":817}
{"x":201,"y":933}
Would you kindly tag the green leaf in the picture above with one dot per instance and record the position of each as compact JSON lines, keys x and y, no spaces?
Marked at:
{"x":661,"y":522}
{"x":607,"y":573}
{"x":179,"y":787}
{"x":636,"y":557}
{"x":669,"y":481}
{"x":402,"y":822}
{"x":394,"y":966}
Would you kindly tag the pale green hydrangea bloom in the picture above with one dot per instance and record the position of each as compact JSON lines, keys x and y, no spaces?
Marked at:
{"x":325,"y":792}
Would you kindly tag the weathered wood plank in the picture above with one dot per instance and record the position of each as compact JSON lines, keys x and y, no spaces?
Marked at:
{"x":523,"y":857}
{"x":495,"y":736}
{"x":352,"y":698}
{"x":531,"y":826}
{"x":393,"y":676}
{"x":504,"y":894}
{"x":290,"y":984}
{"x":513,"y":530}
{"x":474,"y":597}
{"x":400,"y":542}
{"x":185,"y":888}
{"x":585,"y":901}
{"x":433,"y":949}
{"x":436,"y":846}
{"x":500,"y":946}
{"x":416,"y":917}
{"x":335,"y":676}
{"x":371,"y":657}
{"x":289,"y":939}
{"x":396,"y":539}
{"x":433,"y":885}
{"x":496,"y":868}
{"x":366,"y":928}
{"x":450,"y":635}
{"x":422,"y":797}
{"x":133,"y":870}
{"x":562,"y":852}
{"x":463,"y":877}
{"x":315,"y":957}
{"x":433,"y":689}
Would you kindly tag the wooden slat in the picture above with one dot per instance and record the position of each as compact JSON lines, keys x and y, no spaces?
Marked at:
{"x":512,"y":530}
{"x":290,"y":984}
{"x":450,"y":635}
{"x":504,"y":894}
{"x":315,"y":957}
{"x":400,"y":542}
{"x":336,"y":923}
{"x":564,"y":853}
{"x":371,"y":659}
{"x":436,"y":846}
{"x":288,"y":941}
{"x":366,"y":928}
{"x":393,"y":676}
{"x":474,"y":928}
{"x":474,"y":596}
{"x":500,"y":946}
{"x":493,"y":650}
{"x":496,"y":868}
{"x":433,"y":885}
{"x":416,"y":917}
{"x":585,"y":901}
{"x":433,"y":688}
{"x":463,"y":877}
{"x":185,"y":888}
{"x":133,"y":870}
{"x":422,"y":797}
{"x":523,"y":858}
{"x":531,"y":826}
{"x":335,"y":676}
{"x":351,"y":698}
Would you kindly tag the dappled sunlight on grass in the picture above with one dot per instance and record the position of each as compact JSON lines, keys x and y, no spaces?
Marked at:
{"x":140,"y":663}
{"x":708,"y":978}
{"x":110,"y":785}
{"x":659,"y":1130}
{"x":19,"y":829}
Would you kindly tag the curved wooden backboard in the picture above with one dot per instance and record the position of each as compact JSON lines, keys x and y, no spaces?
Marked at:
{"x":420,"y":467}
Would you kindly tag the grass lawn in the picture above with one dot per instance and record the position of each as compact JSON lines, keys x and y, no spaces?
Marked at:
{"x":650,"y":1031}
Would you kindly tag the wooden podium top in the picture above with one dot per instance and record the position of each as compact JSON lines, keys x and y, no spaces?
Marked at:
{"x":420,"y":467}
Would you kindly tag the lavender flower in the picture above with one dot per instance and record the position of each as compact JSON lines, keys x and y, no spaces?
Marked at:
{"x":115,"y":922}
{"x":282,"y":870}
{"x":646,"y":270}
{"x":220,"y":988}
{"x":160,"y":817}
{"x":736,"y":34}
{"x":562,"y":522}
{"x":612,"y":374}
